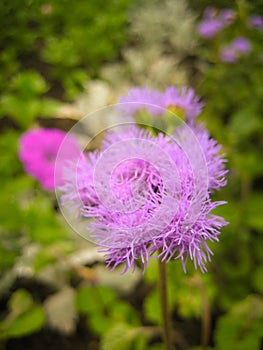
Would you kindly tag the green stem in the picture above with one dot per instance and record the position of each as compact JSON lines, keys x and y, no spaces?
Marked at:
{"x":206,"y":318}
{"x":166,"y":322}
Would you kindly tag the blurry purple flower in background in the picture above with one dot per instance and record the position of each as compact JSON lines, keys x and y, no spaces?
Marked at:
{"x":182,"y":102}
{"x":214,"y":21}
{"x":255,"y":21}
{"x":208,"y":28}
{"x":140,"y":98}
{"x":227,"y":16}
{"x":228,"y":55}
{"x":38,"y":151}
{"x":240,"y":46}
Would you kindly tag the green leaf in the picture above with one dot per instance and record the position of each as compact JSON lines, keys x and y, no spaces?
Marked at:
{"x":254,"y":216}
{"x":94,"y":299}
{"x":244,"y":122}
{"x":24,"y":318}
{"x":120,"y":337}
{"x":103,"y":308}
{"x":258,"y":279}
{"x":83,"y":299}
{"x":99,"y":323}
{"x":242,"y":327}
{"x":20,"y":301}
{"x":23,"y":111}
{"x":151,"y":273}
{"x":151,"y":307}
{"x":158,"y":347}
{"x":48,"y":107}
{"x":121,"y":311}
{"x":27,"y":323}
{"x":29,"y":83}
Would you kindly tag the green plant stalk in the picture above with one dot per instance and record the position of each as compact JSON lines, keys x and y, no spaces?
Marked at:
{"x":206,"y":318}
{"x":166,"y":321}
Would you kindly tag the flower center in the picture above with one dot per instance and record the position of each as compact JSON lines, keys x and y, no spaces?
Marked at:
{"x":178,"y":110}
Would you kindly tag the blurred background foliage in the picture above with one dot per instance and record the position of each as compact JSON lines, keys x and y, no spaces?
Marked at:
{"x":61,"y":59}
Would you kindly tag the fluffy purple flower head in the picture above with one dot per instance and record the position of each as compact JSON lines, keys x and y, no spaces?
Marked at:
{"x":78,"y":181}
{"x":214,"y":159}
{"x":38,"y":151}
{"x":144,"y":194}
{"x":183,"y":102}
{"x":255,"y":21}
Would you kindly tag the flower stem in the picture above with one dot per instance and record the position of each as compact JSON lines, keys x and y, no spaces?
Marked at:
{"x":166,"y":322}
{"x":206,"y":318}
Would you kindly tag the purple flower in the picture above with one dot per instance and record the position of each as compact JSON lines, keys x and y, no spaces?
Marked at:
{"x":208,"y":28}
{"x":214,"y":159}
{"x":38,"y":152}
{"x":193,"y":224}
{"x":78,"y":182}
{"x":146,"y":193}
{"x":140,"y":99}
{"x":214,"y":21}
{"x":227,"y":16}
{"x":255,"y":21}
{"x":241,"y":45}
{"x":182,"y":102}
{"x":210,"y":12}
{"x":228,"y":55}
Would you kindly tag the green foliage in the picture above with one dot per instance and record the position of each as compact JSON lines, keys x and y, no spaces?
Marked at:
{"x":123,"y":337}
{"x":50,"y":50}
{"x":23,"y":103}
{"x":233,"y":112}
{"x":113,"y":319}
{"x":152,"y":307}
{"x":186,"y":292}
{"x":103,"y":308}
{"x":24,"y":316}
{"x":65,"y":42}
{"x":253,"y":211}
{"x":27,"y":217}
{"x":242,"y":327}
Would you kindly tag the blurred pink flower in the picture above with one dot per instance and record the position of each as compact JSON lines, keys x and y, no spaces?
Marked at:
{"x":38,"y":150}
